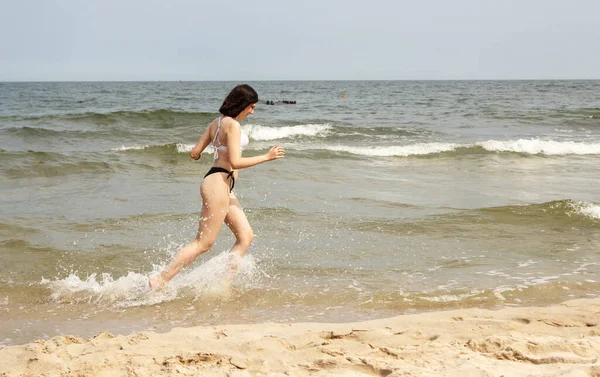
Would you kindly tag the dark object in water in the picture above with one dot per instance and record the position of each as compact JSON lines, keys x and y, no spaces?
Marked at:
{"x":287,"y":102}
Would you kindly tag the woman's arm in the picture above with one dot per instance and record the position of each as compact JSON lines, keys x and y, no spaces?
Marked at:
{"x":196,"y":152}
{"x":235,"y":154}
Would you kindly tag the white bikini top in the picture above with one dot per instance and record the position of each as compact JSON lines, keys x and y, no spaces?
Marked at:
{"x":243,"y":141}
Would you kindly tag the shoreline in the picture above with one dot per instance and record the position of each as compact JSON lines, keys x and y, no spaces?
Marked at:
{"x":561,"y":339}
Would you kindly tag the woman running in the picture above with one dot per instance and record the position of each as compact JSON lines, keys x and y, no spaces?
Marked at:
{"x":219,"y":203}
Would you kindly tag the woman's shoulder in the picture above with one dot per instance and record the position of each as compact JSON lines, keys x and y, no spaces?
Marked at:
{"x":230,"y":123}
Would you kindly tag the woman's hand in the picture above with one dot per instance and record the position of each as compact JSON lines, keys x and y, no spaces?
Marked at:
{"x":275,"y":153}
{"x":194,"y":155}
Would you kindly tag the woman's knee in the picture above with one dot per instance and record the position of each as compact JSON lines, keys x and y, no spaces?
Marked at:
{"x":202,"y":244}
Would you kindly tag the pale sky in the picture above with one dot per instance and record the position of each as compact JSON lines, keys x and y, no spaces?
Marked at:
{"x":73,"y":40}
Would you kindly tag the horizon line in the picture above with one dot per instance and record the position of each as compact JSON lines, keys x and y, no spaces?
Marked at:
{"x":296,"y":80}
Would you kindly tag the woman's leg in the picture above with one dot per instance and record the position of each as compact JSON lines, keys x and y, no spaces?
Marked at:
{"x":215,"y":202}
{"x":238,"y":223}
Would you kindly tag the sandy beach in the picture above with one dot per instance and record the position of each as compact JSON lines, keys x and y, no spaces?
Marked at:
{"x":559,"y":340}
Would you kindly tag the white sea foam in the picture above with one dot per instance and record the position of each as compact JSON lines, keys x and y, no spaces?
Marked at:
{"x":526,"y":146}
{"x":527,"y":263}
{"x":401,"y":151}
{"x":536,"y":146}
{"x":131,"y":148}
{"x":451,"y":297}
{"x":254,"y":132}
{"x":591,"y":210}
{"x":184,"y":148}
{"x":264,"y":133}
{"x":532,"y":146}
{"x":181,"y":148}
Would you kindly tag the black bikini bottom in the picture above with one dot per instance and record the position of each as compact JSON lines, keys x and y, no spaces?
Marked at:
{"x":215,"y":169}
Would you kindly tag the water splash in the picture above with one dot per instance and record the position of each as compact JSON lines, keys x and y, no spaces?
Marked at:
{"x":209,"y":278}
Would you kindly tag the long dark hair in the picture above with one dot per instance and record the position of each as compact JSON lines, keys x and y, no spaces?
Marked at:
{"x":240,"y":97}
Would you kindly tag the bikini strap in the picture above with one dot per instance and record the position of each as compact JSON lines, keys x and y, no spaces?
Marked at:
{"x":216,"y":139}
{"x":230,"y":175}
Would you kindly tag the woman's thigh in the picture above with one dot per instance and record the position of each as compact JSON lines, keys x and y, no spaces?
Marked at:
{"x":236,"y":219}
{"x":215,"y":206}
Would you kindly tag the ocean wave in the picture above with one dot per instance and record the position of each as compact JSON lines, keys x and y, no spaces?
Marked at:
{"x":172,"y":147}
{"x":543,"y":147}
{"x":34,"y":164}
{"x":60,"y":132}
{"x":160,"y":118}
{"x":27,"y":131}
{"x":265,"y":133}
{"x":400,"y":151}
{"x":254,"y":132}
{"x":522,"y":146}
{"x":558,"y":213}
{"x":59,"y":169}
{"x":573,"y":113}
{"x":124,"y":148}
{"x":558,"y":210}
{"x":591,"y":210}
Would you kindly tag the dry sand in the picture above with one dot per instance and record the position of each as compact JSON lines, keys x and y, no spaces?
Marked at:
{"x":560,"y":340}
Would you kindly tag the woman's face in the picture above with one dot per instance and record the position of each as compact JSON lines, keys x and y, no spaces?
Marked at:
{"x":247,"y":111}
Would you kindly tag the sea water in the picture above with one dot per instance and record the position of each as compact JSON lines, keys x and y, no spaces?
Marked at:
{"x":394,"y":197}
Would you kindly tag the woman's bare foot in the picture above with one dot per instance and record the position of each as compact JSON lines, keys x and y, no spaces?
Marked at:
{"x":155,"y":282}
